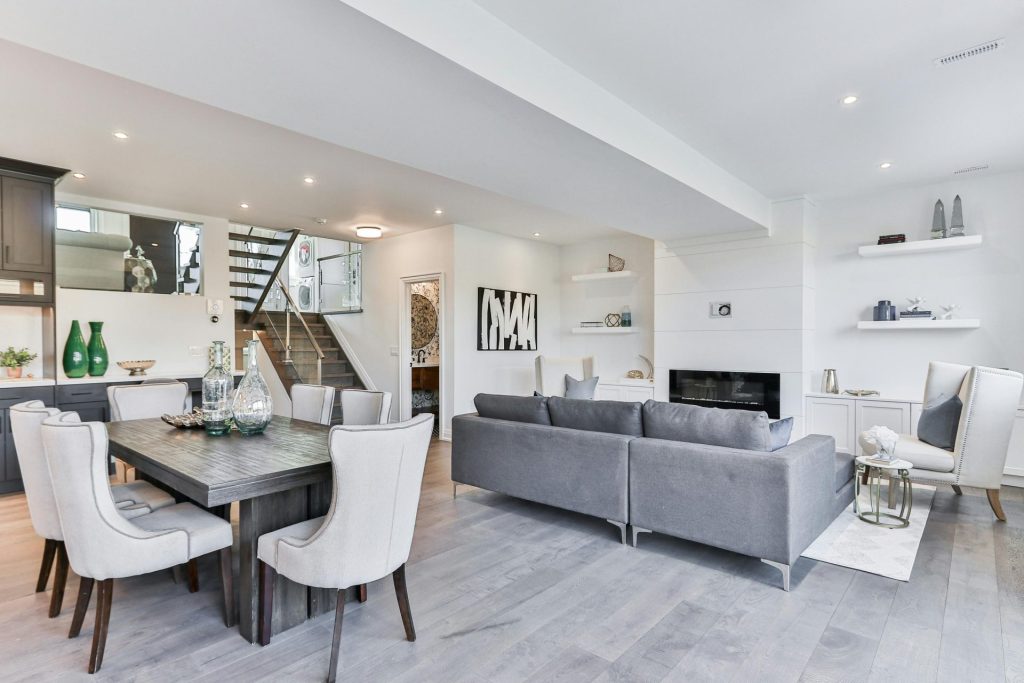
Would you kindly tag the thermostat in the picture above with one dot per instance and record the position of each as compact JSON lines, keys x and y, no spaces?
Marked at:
{"x":721,"y":309}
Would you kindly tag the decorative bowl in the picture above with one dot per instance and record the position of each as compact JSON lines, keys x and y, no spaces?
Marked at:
{"x":193,"y":420}
{"x":136,"y":367}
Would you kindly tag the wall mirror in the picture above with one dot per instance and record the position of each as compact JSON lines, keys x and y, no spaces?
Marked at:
{"x":120,"y":252}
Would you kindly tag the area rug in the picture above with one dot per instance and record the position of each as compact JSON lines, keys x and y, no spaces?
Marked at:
{"x":849,"y":542}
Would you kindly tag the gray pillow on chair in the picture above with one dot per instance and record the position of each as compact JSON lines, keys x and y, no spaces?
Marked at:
{"x":580,"y":388}
{"x":940,"y":421}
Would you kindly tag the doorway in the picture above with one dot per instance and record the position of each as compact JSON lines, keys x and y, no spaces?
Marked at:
{"x":421,"y":350}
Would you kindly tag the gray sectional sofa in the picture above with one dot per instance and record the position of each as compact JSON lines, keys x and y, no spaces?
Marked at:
{"x":725,"y":478}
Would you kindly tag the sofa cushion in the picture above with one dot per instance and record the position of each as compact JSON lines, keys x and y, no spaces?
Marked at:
{"x":939,"y":422}
{"x":613,"y":417}
{"x":532,"y":409}
{"x":580,"y":388}
{"x":921,"y":455}
{"x":780,"y":432}
{"x":744,"y":429}
{"x":845,"y":470}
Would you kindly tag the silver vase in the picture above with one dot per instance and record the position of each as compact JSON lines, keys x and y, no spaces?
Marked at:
{"x":830,"y":382}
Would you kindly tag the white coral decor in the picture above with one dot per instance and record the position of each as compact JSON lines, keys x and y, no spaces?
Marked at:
{"x":884,"y":438}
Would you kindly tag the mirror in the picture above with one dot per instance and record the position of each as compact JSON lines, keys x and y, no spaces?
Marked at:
{"x":120,"y":252}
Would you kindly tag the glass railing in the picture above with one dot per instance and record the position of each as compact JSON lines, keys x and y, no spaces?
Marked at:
{"x":293,"y":342}
{"x":341,"y":283}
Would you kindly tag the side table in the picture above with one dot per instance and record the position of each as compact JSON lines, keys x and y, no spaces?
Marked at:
{"x":871,"y":470}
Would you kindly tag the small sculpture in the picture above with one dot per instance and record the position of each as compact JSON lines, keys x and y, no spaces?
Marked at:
{"x":613,"y":320}
{"x":650,"y":367}
{"x":939,"y":221}
{"x":915,"y":303}
{"x":635,"y":374}
{"x":615,"y":263}
{"x":948,"y":311}
{"x":956,"y":227}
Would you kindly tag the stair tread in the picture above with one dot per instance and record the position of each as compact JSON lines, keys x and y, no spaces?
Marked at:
{"x":244,"y":285}
{"x":239,"y":253}
{"x":247,"y":299}
{"x":246,"y":269}
{"x":256,"y":239}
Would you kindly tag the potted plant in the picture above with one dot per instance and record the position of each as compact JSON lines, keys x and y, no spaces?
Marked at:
{"x":14,"y":360}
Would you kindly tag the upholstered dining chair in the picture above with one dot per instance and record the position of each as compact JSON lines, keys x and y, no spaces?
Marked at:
{"x":551,"y":371}
{"x":990,"y":397}
{"x":362,"y":407}
{"x":312,"y":403}
{"x":101,"y":544}
{"x":367,"y":532}
{"x":152,"y":398}
{"x":131,"y":500}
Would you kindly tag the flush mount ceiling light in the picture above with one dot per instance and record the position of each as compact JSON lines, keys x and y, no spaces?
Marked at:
{"x":885,"y":164}
{"x":536,"y":234}
{"x":309,"y":180}
{"x":244,"y":205}
{"x":120,"y":135}
{"x":438,"y":211}
{"x":369,"y":232}
{"x":849,"y":99}
{"x":78,"y":175}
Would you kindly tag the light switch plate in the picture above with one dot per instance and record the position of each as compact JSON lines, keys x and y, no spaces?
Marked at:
{"x":393,"y":350}
{"x":214,"y":307}
{"x":720,"y":309}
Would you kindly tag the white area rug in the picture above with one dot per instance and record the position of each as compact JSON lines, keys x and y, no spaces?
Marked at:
{"x":849,"y":542}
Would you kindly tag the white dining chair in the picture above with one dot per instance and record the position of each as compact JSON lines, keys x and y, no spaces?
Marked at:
{"x":367,"y":532}
{"x":152,"y":398}
{"x":312,"y":403}
{"x":101,"y":544}
{"x":362,"y":407}
{"x":131,"y":500}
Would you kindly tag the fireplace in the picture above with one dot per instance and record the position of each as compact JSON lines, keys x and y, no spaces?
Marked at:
{"x":721,"y":389}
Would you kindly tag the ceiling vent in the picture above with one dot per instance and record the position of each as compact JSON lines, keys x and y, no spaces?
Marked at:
{"x":970,"y":169}
{"x":964,"y":55}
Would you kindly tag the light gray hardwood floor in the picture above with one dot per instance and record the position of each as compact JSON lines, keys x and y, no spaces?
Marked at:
{"x":505,"y":590}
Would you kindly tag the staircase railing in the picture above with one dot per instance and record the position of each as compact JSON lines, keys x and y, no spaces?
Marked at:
{"x":285,"y":337}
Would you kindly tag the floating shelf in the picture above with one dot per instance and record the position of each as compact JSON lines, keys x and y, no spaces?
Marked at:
{"x":909,"y":324}
{"x":619,"y":275}
{"x":920,"y":246}
{"x":604,"y":330}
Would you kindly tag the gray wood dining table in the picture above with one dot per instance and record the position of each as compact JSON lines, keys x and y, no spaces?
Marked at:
{"x":280,"y":477}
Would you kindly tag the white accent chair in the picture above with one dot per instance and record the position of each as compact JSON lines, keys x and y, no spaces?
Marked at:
{"x":551,"y":372}
{"x":990,"y":397}
{"x":312,"y":403}
{"x":101,"y":544}
{"x":131,"y":500}
{"x":362,"y":407}
{"x":152,"y":398}
{"x":367,"y":532}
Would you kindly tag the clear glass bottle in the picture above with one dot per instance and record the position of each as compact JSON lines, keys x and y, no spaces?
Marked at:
{"x":217,"y":383}
{"x":627,"y":317}
{"x":252,"y":408}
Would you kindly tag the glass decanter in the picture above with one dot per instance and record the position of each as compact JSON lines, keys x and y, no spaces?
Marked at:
{"x":217,"y":383}
{"x":252,"y":407}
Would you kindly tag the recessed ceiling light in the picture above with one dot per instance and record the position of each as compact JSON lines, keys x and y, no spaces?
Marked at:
{"x":80,"y":176}
{"x":320,"y":221}
{"x":120,"y":135}
{"x":849,"y":99}
{"x":885,"y":164}
{"x":536,"y":234}
{"x":154,"y":244}
{"x":370,"y":232}
{"x":244,"y":205}
{"x":309,"y":180}
{"x":438,"y":211}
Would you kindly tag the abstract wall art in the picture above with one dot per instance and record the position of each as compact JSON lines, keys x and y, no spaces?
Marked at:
{"x":507,"y":322}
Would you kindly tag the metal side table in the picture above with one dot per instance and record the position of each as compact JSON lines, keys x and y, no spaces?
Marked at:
{"x":873,"y":470}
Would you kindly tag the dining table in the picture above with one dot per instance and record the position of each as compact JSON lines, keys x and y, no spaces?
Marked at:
{"x":278,"y":478}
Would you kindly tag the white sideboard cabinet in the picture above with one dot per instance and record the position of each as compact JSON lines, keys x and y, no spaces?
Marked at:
{"x":844,"y":417}
{"x":639,"y":390}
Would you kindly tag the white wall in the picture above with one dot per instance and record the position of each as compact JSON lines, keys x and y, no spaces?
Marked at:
{"x":22,"y":327}
{"x":987,"y":282}
{"x":613,"y":355}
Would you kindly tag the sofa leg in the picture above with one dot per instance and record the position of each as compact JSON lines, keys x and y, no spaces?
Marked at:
{"x":957,"y":490}
{"x":455,"y":490}
{"x":784,"y":568}
{"x":637,"y":530}
{"x":622,"y":529}
{"x":997,"y":507}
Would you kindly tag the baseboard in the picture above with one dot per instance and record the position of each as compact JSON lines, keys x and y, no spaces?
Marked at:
{"x":446,"y":434}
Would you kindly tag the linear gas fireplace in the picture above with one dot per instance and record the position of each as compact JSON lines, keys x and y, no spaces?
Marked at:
{"x":720,"y":389}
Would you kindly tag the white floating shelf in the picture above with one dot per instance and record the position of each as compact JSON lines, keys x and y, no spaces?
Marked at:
{"x":920,"y":246}
{"x":619,"y":275}
{"x":910,"y":324}
{"x":604,"y":330}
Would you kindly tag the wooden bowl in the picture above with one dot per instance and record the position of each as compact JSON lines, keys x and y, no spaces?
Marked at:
{"x":136,"y":367}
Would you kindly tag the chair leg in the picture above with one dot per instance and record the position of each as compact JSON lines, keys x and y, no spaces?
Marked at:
{"x":193,"y":575}
{"x":99,"y":634}
{"x":997,"y":507}
{"x":60,"y":580}
{"x":227,"y":586}
{"x":339,"y":615}
{"x":81,"y":606}
{"x":266,"y":609}
{"x":401,"y":590}
{"x":362,"y":592}
{"x":49,"y":553}
{"x":957,"y":490}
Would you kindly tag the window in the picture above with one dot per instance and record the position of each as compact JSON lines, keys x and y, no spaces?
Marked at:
{"x":73,"y":218}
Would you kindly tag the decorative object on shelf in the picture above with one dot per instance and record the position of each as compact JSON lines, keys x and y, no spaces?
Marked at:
{"x":615,"y":263}
{"x":830,"y":381}
{"x":915,"y":303}
{"x":956,"y":226}
{"x":99,"y":359}
{"x":136,"y":368}
{"x":139,"y":273}
{"x":15,"y":360}
{"x":627,"y":317}
{"x":635,"y":374}
{"x":883,"y":311}
{"x":507,"y":322}
{"x":861,"y":392}
{"x":884,"y":439}
{"x":193,"y":420}
{"x":897,"y":238}
{"x":613,"y":320}
{"x":650,"y":366}
{"x":217,"y":383}
{"x":76,"y":359}
{"x":914,"y":310}
{"x":252,"y":407}
{"x":592,"y":323}
{"x":939,"y":221}
{"x":948,"y":310}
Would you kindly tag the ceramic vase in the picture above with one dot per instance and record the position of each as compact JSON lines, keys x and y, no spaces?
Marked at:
{"x":217,"y":384}
{"x":252,"y":407}
{"x":98,"y":357}
{"x":76,"y":358}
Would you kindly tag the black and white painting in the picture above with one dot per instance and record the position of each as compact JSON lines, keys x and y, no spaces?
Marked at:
{"x":507,"y":322}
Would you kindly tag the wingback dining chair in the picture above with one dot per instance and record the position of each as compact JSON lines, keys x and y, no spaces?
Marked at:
{"x":101,"y":544}
{"x":152,"y":398}
{"x":362,"y":407}
{"x":551,"y":371}
{"x":990,"y":397}
{"x":312,"y":403}
{"x":367,"y":532}
{"x":131,"y":500}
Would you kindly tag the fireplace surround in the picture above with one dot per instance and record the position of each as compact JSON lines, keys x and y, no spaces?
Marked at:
{"x":726,"y":389}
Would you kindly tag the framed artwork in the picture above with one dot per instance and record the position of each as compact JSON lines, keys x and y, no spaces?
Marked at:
{"x":507,"y":321}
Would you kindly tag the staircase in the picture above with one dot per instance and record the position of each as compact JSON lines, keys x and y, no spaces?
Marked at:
{"x":257,"y":259}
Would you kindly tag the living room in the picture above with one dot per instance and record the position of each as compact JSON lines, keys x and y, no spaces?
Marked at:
{"x":710,"y":309}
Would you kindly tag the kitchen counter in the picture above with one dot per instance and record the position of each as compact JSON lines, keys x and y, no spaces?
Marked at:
{"x":26,"y":382}
{"x":123,"y":376}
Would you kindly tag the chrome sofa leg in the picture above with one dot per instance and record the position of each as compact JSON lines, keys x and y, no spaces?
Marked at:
{"x":784,"y":568}
{"x":622,"y":529}
{"x":455,"y":489}
{"x":637,"y":530}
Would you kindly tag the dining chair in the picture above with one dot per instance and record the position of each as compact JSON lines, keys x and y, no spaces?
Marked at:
{"x":131,"y":500}
{"x":312,"y":403}
{"x":362,"y":407}
{"x":151,"y":398}
{"x":367,"y":532}
{"x":101,"y":544}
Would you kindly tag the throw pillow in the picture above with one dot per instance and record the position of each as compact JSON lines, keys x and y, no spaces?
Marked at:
{"x":743,"y":429}
{"x":612,"y":417}
{"x":514,"y":408}
{"x":779,"y":433}
{"x":939,"y":422}
{"x":580,"y":388}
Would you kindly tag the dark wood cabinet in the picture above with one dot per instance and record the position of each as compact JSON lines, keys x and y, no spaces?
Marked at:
{"x":10,"y":472}
{"x":26,"y":225}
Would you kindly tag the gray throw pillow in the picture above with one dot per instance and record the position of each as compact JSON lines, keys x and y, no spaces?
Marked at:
{"x":779,"y":433}
{"x":613,"y":417}
{"x":743,"y":429}
{"x":939,"y":422}
{"x":580,"y":388}
{"x":533,"y":409}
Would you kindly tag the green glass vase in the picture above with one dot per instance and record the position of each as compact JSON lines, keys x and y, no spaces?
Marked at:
{"x":76,"y":359}
{"x":98,"y":357}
